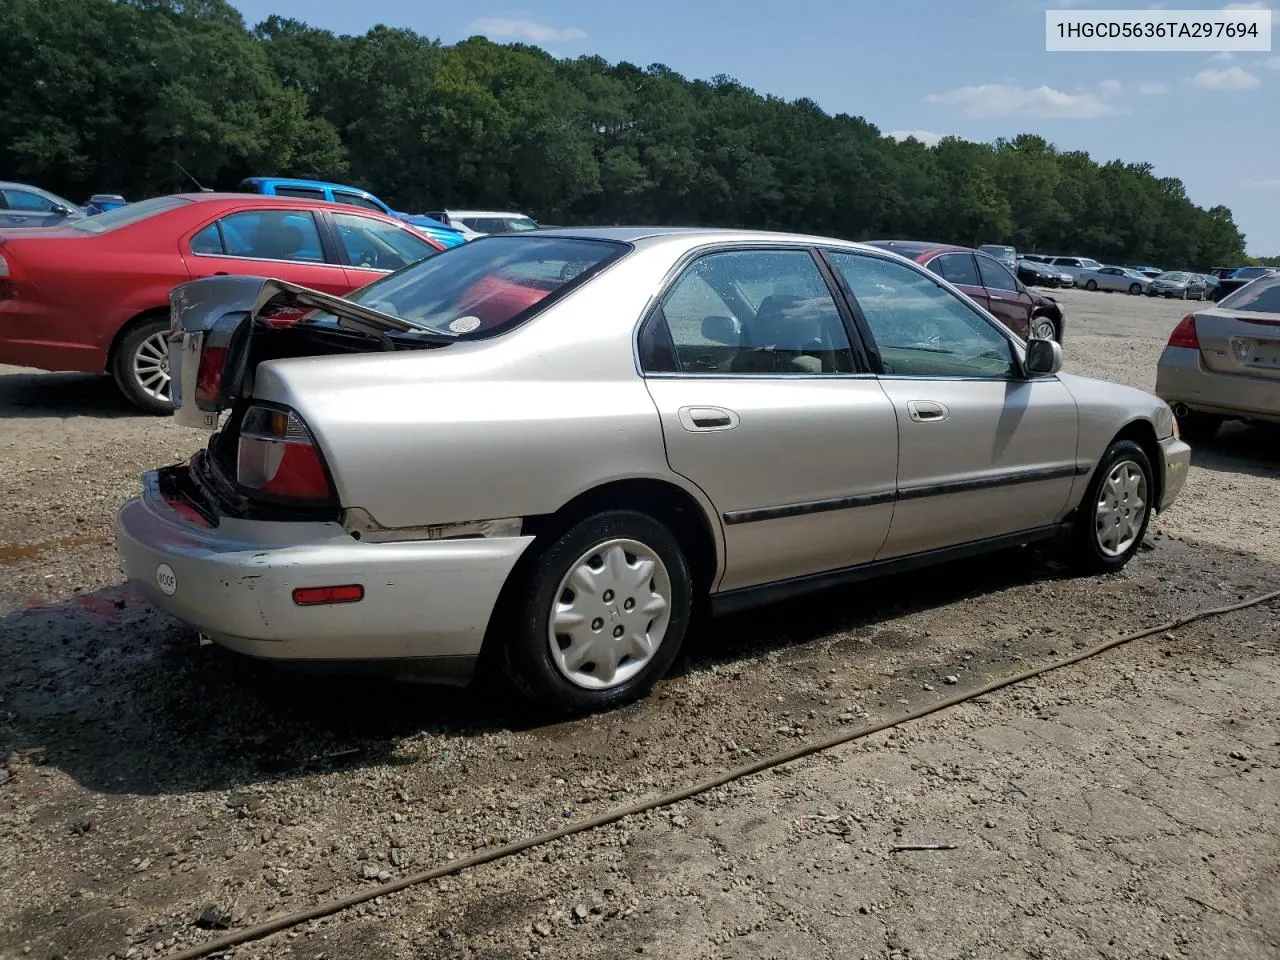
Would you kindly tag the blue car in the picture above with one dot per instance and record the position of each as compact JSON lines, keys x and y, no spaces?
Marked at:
{"x":102,"y":202}
{"x":352,"y":196}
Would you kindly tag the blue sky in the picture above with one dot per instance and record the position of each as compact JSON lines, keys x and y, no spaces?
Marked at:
{"x":932,"y":67}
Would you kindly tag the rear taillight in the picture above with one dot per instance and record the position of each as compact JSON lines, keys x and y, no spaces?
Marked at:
{"x":278,"y":459}
{"x":1184,"y":334}
{"x":209,"y":376}
{"x":6,"y":282}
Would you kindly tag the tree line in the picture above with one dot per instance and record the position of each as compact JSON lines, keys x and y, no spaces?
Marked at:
{"x":136,"y":96}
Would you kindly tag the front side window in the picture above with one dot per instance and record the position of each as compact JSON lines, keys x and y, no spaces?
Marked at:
{"x":756,"y":312}
{"x":486,"y":224}
{"x":957,"y":268}
{"x":379,"y":245}
{"x":995,"y":275}
{"x":919,"y":328}
{"x":355,"y":200}
{"x":28,"y":201}
{"x":272,"y":235}
{"x":487,"y":286}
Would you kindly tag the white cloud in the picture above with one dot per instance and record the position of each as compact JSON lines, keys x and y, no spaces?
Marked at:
{"x":927,"y":137}
{"x":533,"y":31}
{"x":1262,"y":184}
{"x":1032,"y":103}
{"x":1228,"y":78}
{"x":1152,"y":88}
{"x":1222,"y":56}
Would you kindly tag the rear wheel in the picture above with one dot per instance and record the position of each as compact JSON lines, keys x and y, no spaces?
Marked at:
{"x":601,"y":616}
{"x":140,"y":366}
{"x":1115,"y":511}
{"x":1091,"y":285}
{"x":1198,"y":427}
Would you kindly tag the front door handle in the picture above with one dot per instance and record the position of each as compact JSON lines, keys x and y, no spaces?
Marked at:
{"x":703,"y":419}
{"x":927,"y":411}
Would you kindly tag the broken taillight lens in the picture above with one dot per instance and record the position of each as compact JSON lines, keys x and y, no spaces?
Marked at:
{"x":278,"y":459}
{"x":209,"y":375}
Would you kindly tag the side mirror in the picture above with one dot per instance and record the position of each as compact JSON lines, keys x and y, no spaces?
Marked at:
{"x":725,"y":330}
{"x":1044,"y":357}
{"x":61,"y":211}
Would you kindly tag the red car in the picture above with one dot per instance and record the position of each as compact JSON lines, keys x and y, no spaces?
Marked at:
{"x":93,"y":295}
{"x":988,"y":282}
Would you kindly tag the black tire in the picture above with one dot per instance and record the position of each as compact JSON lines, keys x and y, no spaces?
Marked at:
{"x":526,"y":657}
{"x":1041,"y":318}
{"x":1135,"y":289}
{"x":123,"y":370}
{"x":1086,"y":553}
{"x":1091,"y":286}
{"x":1198,"y":427}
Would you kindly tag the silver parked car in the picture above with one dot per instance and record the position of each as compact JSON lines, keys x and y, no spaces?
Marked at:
{"x":22,"y":205}
{"x":1223,"y":361}
{"x":1114,"y":280}
{"x":1179,"y":284}
{"x":550,"y":447}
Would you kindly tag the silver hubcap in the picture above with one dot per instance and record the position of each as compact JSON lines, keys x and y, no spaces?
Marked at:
{"x":1122,"y":506}
{"x":1043,"y":330}
{"x":151,"y":366}
{"x":610,"y":615}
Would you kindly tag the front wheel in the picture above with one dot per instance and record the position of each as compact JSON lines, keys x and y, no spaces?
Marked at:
{"x":1135,"y":289}
{"x":1091,"y":286}
{"x":1043,"y":328}
{"x":1113,"y":516}
{"x":140,"y":366}
{"x":602,"y":615}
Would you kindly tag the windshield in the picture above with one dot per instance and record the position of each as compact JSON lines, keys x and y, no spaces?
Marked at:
{"x":1175,"y":276}
{"x":124,"y":216}
{"x":1090,"y":264}
{"x":488,"y":285}
{"x":1261,"y":296}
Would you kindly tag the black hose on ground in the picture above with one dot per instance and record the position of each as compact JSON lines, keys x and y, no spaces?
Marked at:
{"x":285,"y":921}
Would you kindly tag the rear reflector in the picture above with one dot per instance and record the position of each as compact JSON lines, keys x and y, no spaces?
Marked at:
{"x":315,"y":596}
{"x":1184,"y":334}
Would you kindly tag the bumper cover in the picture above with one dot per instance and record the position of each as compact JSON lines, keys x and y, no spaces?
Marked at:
{"x":1175,"y":461}
{"x":1182,"y":378}
{"x":235,"y":582}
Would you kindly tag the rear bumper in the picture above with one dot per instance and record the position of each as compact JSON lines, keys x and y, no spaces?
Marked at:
{"x":235,"y":582}
{"x":1182,"y":379}
{"x":1175,"y":461}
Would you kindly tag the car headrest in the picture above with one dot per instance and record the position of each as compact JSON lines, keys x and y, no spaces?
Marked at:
{"x":721,"y":330}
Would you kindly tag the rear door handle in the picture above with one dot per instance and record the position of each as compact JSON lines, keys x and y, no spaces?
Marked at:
{"x":927,"y":411}
{"x":704,"y":419}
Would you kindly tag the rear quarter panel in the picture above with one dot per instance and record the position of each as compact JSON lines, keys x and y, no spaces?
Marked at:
{"x":513,"y":426}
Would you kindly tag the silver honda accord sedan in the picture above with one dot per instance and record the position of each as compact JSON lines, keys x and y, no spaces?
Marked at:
{"x":549,"y":448}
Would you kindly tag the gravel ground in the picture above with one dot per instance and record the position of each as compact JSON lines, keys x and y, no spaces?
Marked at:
{"x":1124,"y":807}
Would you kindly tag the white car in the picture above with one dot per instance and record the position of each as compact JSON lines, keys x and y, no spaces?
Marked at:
{"x":478,"y":223}
{"x":1074,"y":265}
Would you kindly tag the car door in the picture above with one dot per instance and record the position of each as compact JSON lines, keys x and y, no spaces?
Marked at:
{"x":267,"y":242}
{"x":983,"y":451}
{"x":24,"y":208}
{"x":960,"y":270}
{"x":371,"y":247}
{"x":1006,"y":299}
{"x":766,"y":407}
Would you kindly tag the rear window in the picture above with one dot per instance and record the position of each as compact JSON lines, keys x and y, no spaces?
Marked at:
{"x":1261,"y":296}
{"x":489,"y":285}
{"x":125,"y":216}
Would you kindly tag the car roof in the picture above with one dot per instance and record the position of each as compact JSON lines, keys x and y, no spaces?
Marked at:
{"x":300,"y":182}
{"x":687,"y":236}
{"x":267,"y":200}
{"x":485,"y":213}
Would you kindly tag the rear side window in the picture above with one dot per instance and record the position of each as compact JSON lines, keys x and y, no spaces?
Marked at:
{"x":958,"y":268}
{"x":487,"y":286}
{"x":208,"y":242}
{"x":1261,"y":296}
{"x":302,"y":193}
{"x":272,"y":235}
{"x":127,"y":215}
{"x":355,"y":200}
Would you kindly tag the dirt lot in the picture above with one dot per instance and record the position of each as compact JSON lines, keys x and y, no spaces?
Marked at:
{"x":1125,"y":807}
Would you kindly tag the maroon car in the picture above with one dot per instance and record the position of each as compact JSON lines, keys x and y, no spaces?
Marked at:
{"x":987,"y":282}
